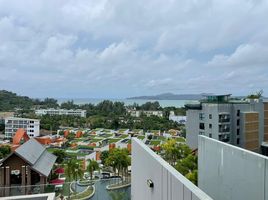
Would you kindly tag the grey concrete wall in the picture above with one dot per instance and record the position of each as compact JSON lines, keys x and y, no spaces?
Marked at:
{"x":169,"y":184}
{"x":192,"y":128}
{"x":226,"y":172}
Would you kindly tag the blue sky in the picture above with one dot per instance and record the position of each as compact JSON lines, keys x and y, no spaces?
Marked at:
{"x":119,"y":48}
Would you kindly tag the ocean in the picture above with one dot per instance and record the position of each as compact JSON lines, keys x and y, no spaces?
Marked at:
{"x":163,"y":103}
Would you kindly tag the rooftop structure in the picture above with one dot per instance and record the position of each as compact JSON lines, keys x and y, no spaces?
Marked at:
{"x":52,"y":111}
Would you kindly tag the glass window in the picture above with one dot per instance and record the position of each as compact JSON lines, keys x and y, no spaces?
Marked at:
{"x":237,"y":140}
{"x":201,"y":116}
{"x":210,"y":116}
{"x":202,"y":126}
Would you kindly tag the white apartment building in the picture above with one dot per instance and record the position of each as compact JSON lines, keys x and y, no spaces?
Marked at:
{"x":177,"y":118}
{"x":12,"y":124}
{"x":148,"y":113}
{"x":52,"y":111}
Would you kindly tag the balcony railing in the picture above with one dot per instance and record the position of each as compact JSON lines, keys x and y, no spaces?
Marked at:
{"x":224,"y":120}
{"x":224,"y":130}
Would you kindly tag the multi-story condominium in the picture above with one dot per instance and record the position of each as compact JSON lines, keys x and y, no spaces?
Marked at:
{"x":52,"y":111}
{"x":243,"y":123}
{"x":31,"y":126}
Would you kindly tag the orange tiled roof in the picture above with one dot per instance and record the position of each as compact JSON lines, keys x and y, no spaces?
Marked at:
{"x":19,"y":136}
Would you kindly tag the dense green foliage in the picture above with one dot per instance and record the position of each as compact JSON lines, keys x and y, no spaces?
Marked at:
{"x":9,"y":101}
{"x":188,"y":167}
{"x":119,"y":160}
{"x":61,"y":155}
{"x":180,"y":156}
{"x":256,"y":95}
{"x":104,"y":155}
{"x":92,"y":166}
{"x":4,"y":151}
{"x":106,"y":114}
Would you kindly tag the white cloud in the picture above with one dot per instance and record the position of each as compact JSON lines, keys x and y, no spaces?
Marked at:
{"x":125,"y":48}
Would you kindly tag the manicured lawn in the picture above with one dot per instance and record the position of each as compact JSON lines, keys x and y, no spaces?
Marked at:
{"x":154,"y":131}
{"x":96,"y":140}
{"x":180,"y":139}
{"x":122,"y":130}
{"x":162,"y":138}
{"x":155,"y":142}
{"x":141,"y":137}
{"x":123,"y":136}
{"x":113,"y":140}
{"x":107,"y":135}
{"x":137,"y":130}
{"x":83,"y":194}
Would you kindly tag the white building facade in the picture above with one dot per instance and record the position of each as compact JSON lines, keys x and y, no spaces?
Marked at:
{"x":31,"y":126}
{"x":52,"y":111}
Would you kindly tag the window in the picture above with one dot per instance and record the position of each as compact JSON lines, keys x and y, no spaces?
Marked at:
{"x":201,"y":116}
{"x":238,"y":113}
{"x":210,"y":135}
{"x":201,"y":133}
{"x":202,"y":126}
{"x":238,"y":122}
{"x":238,"y":131}
{"x":210,"y":116}
{"x":237,"y":141}
{"x":210,"y":125}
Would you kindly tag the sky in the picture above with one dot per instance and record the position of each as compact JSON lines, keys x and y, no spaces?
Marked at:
{"x":120,"y":48}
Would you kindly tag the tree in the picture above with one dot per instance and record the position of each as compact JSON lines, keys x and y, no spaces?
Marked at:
{"x":188,"y":167}
{"x":4,"y":151}
{"x":256,"y":95}
{"x":118,"y":159}
{"x":73,"y":171}
{"x":92,"y":166}
{"x":104,"y":155}
{"x":174,"y":151}
{"x":61,"y":155}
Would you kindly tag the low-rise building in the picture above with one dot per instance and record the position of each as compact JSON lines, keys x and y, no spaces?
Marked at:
{"x":52,"y":111}
{"x":148,"y":113}
{"x":177,"y":118}
{"x":29,"y":164}
{"x":31,"y":126}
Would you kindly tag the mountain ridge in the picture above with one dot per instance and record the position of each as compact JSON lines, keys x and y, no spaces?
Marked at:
{"x":171,"y":96}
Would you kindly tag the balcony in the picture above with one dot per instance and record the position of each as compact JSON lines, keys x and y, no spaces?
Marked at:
{"x":224,"y":130}
{"x":224,"y":120}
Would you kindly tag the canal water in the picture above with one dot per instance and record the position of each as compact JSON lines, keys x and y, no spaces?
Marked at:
{"x":101,"y":193}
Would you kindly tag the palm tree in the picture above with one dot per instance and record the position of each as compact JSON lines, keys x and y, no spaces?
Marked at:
{"x":69,"y":171}
{"x":92,"y":166}
{"x":73,"y":171}
{"x":78,"y":173}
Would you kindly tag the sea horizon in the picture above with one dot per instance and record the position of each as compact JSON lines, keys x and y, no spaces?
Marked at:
{"x":95,"y":101}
